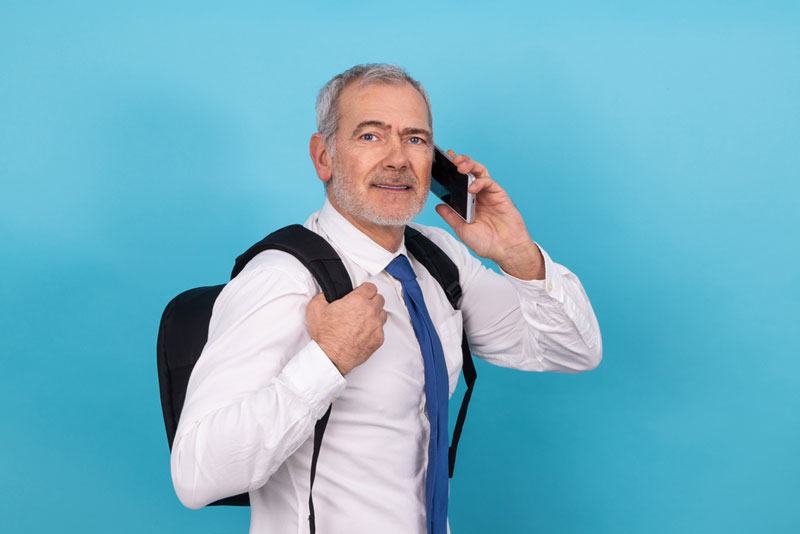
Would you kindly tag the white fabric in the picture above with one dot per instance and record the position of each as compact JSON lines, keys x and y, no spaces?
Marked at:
{"x":261,"y":384}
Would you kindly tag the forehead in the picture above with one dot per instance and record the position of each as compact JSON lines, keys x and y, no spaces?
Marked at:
{"x":402,"y":105}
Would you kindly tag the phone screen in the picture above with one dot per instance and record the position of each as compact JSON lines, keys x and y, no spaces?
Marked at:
{"x":450,"y":185}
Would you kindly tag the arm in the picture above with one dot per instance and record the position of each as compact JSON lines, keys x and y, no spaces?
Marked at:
{"x":538,"y":316}
{"x":258,"y":388}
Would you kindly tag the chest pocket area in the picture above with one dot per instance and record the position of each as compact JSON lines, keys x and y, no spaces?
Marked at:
{"x":450,"y":335}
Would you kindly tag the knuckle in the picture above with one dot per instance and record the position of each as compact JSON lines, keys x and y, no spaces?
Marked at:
{"x":369,"y":287}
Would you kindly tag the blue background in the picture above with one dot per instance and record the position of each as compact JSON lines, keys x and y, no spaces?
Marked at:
{"x":654,"y":150}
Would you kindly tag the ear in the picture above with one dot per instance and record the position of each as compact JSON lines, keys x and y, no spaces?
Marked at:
{"x":321,"y":157}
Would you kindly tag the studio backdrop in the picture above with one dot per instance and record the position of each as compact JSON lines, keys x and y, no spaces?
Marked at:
{"x":652,"y":149}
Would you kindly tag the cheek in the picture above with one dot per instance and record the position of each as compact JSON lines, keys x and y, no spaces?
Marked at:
{"x":364,"y":163}
{"x":351,"y":169}
{"x":422,"y":168}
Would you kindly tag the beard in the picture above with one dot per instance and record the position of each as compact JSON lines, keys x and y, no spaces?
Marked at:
{"x":349,"y":199}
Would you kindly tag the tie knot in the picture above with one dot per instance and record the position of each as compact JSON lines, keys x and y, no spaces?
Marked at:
{"x":401,"y":269}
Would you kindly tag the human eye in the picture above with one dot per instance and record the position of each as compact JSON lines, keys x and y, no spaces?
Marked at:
{"x":416,"y":140}
{"x":368,"y":137}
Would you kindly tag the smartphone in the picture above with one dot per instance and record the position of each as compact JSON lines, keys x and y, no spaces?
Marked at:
{"x":451,"y":186}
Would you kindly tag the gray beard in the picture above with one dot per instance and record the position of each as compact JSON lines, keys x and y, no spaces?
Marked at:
{"x":349,"y":202}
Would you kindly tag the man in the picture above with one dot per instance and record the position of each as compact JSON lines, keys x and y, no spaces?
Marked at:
{"x":278,"y":354}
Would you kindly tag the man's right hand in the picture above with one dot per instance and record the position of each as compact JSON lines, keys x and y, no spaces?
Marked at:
{"x":350,"y":329}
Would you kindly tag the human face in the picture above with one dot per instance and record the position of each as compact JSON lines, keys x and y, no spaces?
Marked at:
{"x":384,"y":150}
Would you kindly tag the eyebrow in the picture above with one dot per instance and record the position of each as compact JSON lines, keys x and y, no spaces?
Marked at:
{"x":383,"y":126}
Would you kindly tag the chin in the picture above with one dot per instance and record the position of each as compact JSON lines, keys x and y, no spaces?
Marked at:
{"x":387,"y":219}
{"x":375,"y":211}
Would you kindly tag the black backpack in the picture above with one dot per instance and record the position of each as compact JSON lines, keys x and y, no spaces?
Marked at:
{"x":183,"y":331}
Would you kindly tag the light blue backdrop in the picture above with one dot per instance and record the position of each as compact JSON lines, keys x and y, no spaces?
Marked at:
{"x":653,"y":150}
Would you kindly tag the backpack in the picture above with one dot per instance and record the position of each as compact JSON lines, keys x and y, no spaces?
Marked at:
{"x":183,"y":330}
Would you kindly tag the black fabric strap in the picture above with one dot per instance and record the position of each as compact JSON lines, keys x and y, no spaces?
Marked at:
{"x":445,"y":272}
{"x":327,"y":268}
{"x":312,"y":251}
{"x":468,"y":368}
{"x":319,"y":430}
{"x":437,"y":263}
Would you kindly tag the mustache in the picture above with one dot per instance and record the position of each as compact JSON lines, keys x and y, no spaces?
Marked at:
{"x":404,"y":178}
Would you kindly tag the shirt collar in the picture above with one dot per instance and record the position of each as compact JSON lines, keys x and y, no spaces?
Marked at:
{"x":354,"y":243}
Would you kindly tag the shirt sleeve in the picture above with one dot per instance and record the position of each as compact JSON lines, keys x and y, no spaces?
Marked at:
{"x":536,"y":325}
{"x":258,"y":388}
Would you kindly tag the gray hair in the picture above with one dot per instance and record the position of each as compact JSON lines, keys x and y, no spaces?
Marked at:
{"x":367,"y":74}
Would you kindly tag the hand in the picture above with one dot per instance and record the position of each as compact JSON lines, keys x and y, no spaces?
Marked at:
{"x":350,"y":329}
{"x":499,"y":232}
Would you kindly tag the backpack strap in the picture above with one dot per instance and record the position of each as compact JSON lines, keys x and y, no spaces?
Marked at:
{"x":445,"y":272}
{"x":312,"y":251}
{"x":325,"y":265}
{"x":322,"y":261}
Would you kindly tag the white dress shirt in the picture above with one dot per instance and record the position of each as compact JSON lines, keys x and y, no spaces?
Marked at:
{"x":261,"y":383}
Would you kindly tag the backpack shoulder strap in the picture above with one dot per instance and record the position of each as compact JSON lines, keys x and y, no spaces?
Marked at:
{"x":325,"y":265}
{"x":311,"y":249}
{"x":436,"y":262}
{"x":445,"y":272}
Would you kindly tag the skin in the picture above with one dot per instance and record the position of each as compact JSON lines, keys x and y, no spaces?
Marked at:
{"x":384,"y":153}
{"x":383,"y":139}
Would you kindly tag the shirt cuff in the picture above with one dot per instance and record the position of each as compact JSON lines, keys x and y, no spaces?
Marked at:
{"x":313,"y":378}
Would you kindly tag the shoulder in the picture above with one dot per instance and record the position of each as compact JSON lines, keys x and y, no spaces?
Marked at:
{"x":270,"y":275}
{"x":276,"y":263}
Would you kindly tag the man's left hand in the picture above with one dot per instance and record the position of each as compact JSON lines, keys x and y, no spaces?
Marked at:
{"x":499,"y":232}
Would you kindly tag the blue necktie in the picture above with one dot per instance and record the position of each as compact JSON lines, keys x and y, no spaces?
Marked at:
{"x":436,"y":394}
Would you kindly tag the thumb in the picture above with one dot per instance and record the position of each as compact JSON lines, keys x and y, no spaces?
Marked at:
{"x":451,"y":217}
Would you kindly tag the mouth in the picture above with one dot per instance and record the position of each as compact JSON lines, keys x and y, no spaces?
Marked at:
{"x":390,"y":187}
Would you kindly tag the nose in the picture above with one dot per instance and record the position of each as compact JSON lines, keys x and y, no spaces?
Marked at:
{"x":396,"y":158}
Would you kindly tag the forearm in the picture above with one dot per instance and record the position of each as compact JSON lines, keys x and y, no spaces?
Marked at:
{"x":539,"y":317}
{"x":561,"y":326}
{"x":545,"y":325}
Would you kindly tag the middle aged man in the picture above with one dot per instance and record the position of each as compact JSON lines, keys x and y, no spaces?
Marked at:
{"x":278,"y":353}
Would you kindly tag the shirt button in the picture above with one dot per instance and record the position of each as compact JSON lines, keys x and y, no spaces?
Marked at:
{"x":549,"y":286}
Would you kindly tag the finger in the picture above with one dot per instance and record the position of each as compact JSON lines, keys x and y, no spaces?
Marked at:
{"x":469,"y":165}
{"x":315,"y":304}
{"x":367,"y":290}
{"x":383,"y":317}
{"x":459,"y":160}
{"x":451,"y":217}
{"x":484,"y":183}
{"x":379,"y":301}
{"x":465,"y":164}
{"x":317,"y":300}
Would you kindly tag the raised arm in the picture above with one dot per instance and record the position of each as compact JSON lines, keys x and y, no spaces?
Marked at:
{"x":537,"y":317}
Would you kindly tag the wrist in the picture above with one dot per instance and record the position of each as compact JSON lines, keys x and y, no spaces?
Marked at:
{"x":334,"y":358}
{"x":524,"y":261}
